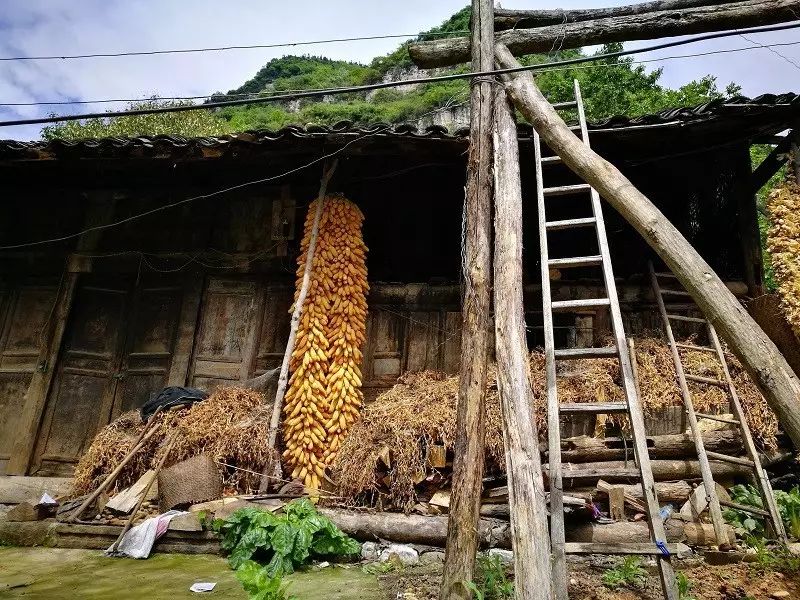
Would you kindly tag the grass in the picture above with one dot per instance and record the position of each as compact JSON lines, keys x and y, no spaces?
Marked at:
{"x":492,"y":582}
{"x":628,"y":573}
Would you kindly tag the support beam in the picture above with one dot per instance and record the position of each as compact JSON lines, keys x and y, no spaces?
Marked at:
{"x":795,"y":135}
{"x":770,"y":165}
{"x":665,"y":23}
{"x":465,"y":502}
{"x":526,"y":494}
{"x":762,"y":360}
{"x":505,"y":18}
{"x":749,"y":233}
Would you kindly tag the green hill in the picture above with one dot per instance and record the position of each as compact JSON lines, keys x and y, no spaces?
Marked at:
{"x":615,"y":86}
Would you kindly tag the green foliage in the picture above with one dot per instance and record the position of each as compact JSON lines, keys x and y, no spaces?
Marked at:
{"x":259,"y":585}
{"x":752,"y":526}
{"x":284,"y":541}
{"x":492,"y":581}
{"x":684,"y":587}
{"x":191,"y":123}
{"x":629,"y":572}
{"x":757,"y":154}
{"x":778,"y":558}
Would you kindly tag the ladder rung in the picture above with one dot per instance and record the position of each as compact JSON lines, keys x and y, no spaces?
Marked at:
{"x":719,"y":418}
{"x":666,"y":274}
{"x":570,"y":223}
{"x":675,"y":293}
{"x":745,"y":508}
{"x":685,"y":318}
{"x":579,"y":353}
{"x":734,"y":460}
{"x":595,"y":408}
{"x":623,"y":548}
{"x":565,"y":305}
{"x":551,"y":160}
{"x":575,"y":261}
{"x":706,"y":380}
{"x":697,"y":348}
{"x":563,"y":190}
{"x":563,"y":105}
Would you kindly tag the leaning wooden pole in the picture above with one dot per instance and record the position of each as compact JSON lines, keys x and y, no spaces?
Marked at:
{"x":283,"y":378}
{"x":465,"y":501}
{"x":526,"y":495}
{"x":763,"y":361}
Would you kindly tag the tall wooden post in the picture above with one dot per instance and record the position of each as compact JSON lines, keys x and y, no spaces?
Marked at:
{"x":462,"y":528}
{"x":523,"y":464}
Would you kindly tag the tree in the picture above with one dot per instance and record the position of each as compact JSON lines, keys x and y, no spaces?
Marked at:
{"x":190,"y":123}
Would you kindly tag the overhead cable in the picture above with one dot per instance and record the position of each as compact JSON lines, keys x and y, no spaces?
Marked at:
{"x":390,"y":84}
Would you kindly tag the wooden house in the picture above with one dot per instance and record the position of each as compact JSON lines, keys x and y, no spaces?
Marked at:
{"x":131,"y":264}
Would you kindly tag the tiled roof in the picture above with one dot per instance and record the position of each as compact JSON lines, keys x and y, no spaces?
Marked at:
{"x":781,"y":107}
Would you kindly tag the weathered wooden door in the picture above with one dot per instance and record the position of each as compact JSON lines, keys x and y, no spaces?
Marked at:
{"x":83,"y":388}
{"x":225,"y":346}
{"x":24,"y":311}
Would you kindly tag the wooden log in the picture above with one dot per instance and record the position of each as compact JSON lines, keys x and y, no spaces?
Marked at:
{"x":617,"y":497}
{"x":653,"y":25}
{"x":671,"y":446}
{"x":674,"y":492}
{"x":505,"y":18}
{"x":663,"y":470}
{"x":523,"y":464}
{"x":764,"y":363}
{"x":462,"y":536}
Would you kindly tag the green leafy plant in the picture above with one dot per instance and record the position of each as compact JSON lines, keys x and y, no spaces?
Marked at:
{"x":748,"y":525}
{"x":778,"y":558}
{"x":282,"y":542}
{"x":259,"y":585}
{"x":628,"y":572}
{"x":684,"y":587}
{"x":492,"y":581}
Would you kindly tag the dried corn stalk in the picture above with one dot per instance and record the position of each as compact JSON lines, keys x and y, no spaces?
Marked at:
{"x":783,"y":241}
{"x":324,"y":395}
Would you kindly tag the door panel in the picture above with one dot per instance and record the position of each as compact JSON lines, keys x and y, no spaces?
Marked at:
{"x":24,"y":312}
{"x":225,"y":345}
{"x":83,"y":390}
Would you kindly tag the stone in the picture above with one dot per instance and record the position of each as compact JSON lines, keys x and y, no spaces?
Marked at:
{"x":696,"y":504}
{"x":24,"y":511}
{"x":212,"y":506}
{"x":506,"y":556}
{"x":794,"y":548}
{"x":126,"y":500}
{"x":779,"y":594}
{"x":17,"y":488}
{"x":188,"y":522}
{"x":431,"y":558}
{"x":370,"y":551}
{"x":406,"y":554}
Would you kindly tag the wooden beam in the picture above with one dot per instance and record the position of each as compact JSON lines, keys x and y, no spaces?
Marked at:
{"x":187,"y":323}
{"x":771,"y":164}
{"x":505,"y":18}
{"x":99,"y":211}
{"x":465,"y":503}
{"x":796,"y":155}
{"x":749,"y":233}
{"x":523,"y":464}
{"x":762,"y":360}
{"x":665,"y":23}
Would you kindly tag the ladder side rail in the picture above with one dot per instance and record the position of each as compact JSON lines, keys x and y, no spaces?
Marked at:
{"x":714,"y":507}
{"x":764,"y":485}
{"x":636,"y":416}
{"x":557,"y":534}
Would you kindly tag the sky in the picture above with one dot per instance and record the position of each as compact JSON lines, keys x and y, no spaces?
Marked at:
{"x":58,"y":27}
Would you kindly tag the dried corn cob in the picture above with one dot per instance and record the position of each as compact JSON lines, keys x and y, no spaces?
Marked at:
{"x":783,"y":242}
{"x":324,"y":397}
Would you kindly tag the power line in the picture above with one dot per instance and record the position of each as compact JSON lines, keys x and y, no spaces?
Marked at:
{"x":390,"y":84}
{"x":227,"y":48}
{"x":544,"y":68}
{"x":775,"y":52}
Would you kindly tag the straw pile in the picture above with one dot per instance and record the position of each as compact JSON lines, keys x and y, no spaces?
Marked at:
{"x":385,"y":455}
{"x":231,"y":426}
{"x":783,"y":241}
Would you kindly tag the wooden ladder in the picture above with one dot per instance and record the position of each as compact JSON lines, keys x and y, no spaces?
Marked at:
{"x":752,"y":461}
{"x":658,"y":547}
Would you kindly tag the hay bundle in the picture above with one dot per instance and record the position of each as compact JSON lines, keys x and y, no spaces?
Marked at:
{"x":395,"y":431}
{"x":232,"y":426}
{"x":783,"y":241}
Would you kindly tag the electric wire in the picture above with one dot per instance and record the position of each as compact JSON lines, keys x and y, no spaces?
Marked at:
{"x":390,"y":84}
{"x":233,"y":47}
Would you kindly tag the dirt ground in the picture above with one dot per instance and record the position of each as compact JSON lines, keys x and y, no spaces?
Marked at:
{"x":708,"y":582}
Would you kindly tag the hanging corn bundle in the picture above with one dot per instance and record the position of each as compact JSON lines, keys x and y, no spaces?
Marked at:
{"x":324,"y":394}
{"x":783,"y":241}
